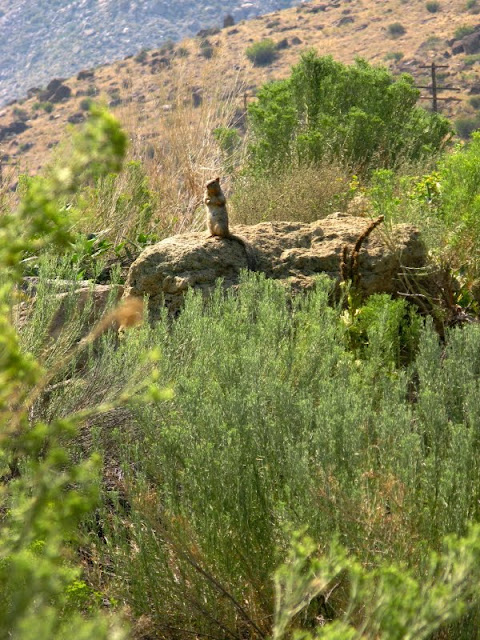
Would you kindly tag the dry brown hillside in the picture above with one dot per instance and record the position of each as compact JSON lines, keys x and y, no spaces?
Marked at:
{"x":144,"y":90}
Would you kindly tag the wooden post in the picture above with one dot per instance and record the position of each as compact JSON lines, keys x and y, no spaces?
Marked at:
{"x":434,"y":88}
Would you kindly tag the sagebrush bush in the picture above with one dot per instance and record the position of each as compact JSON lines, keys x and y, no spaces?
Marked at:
{"x":433,"y":6}
{"x":394,"y":55}
{"x":464,"y":30}
{"x":276,"y":422}
{"x":396,"y":29}
{"x":261,"y":53}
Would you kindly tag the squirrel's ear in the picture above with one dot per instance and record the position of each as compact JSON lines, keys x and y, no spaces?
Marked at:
{"x":217,"y":179}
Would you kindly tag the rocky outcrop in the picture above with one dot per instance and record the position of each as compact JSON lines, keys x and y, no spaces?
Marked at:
{"x":56,"y":91}
{"x":292,"y":252}
{"x":12,"y":130}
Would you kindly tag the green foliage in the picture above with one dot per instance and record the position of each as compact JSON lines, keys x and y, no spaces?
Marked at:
{"x":460,"y":203}
{"x":280,"y":424}
{"x":396,"y":29}
{"x":383,"y":324}
{"x":85,"y":104}
{"x":20,"y":114}
{"x":141,"y":56}
{"x":359,"y":114}
{"x":394,"y":55}
{"x":464,"y":30}
{"x":444,"y":204}
{"x":475,"y":101}
{"x":123,"y":202}
{"x":471,"y":4}
{"x":433,"y":6}
{"x":229,"y":141}
{"x":206,"y":48}
{"x":471,"y":60}
{"x":48,"y":107}
{"x":45,"y":494}
{"x":262,"y":53}
{"x":466,"y":126}
{"x":394,"y":605}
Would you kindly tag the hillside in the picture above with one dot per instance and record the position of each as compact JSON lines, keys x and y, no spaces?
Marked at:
{"x":143,"y":88}
{"x":59,"y":37}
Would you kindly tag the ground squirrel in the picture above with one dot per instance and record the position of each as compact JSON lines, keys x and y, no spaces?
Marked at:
{"x":217,"y":217}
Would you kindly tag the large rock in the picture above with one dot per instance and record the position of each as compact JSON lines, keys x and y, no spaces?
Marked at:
{"x":471,"y":43}
{"x":13,"y":129}
{"x":56,"y":91}
{"x":293,"y":252}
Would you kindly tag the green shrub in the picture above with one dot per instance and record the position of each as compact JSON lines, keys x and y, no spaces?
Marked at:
{"x":123,"y":203}
{"x":141,"y":56}
{"x":359,"y":114}
{"x":466,"y":126}
{"x":394,"y":55}
{"x":433,"y":6}
{"x":45,"y":492}
{"x":474,"y":101}
{"x":282,"y":426}
{"x":464,"y":30}
{"x":85,"y":104}
{"x":206,"y":48}
{"x":396,"y":29}
{"x":471,"y":4}
{"x":385,"y":603}
{"x":262,"y":53}
{"x":472,"y":59}
{"x":48,"y":107}
{"x":20,"y":114}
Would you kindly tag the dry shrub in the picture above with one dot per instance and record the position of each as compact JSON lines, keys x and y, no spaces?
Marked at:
{"x":304,"y":194}
{"x":181,"y":153}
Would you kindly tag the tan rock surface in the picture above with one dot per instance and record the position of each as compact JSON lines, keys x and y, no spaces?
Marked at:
{"x":293,"y":252}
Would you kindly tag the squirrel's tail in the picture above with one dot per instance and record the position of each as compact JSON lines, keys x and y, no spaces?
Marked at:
{"x":251,"y":259}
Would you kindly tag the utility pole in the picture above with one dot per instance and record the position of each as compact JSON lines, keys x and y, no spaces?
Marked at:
{"x":434,"y":88}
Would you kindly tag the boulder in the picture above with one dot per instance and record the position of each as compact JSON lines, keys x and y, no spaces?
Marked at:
{"x":12,"y":130}
{"x":86,"y":74}
{"x":56,"y":91}
{"x":343,"y":21}
{"x":76,"y":118}
{"x":292,"y":252}
{"x":471,"y":43}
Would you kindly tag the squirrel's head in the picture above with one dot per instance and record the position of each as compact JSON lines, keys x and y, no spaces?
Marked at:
{"x":213,"y":185}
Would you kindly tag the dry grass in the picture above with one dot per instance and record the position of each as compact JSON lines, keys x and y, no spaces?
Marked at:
{"x":305,"y":194}
{"x":180,"y":152}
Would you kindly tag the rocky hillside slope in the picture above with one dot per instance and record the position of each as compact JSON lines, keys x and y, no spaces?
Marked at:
{"x":144,"y":90}
{"x":45,"y":38}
